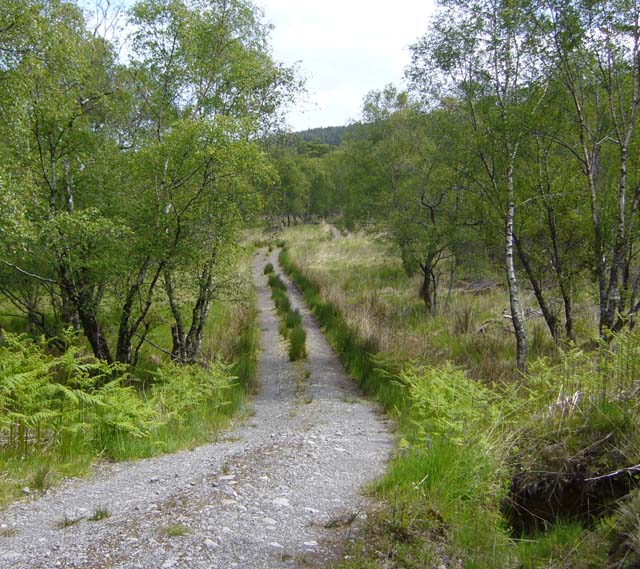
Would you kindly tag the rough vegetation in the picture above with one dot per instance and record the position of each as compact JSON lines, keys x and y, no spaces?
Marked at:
{"x":290,"y":320}
{"x":62,"y":410}
{"x":126,"y":183}
{"x":494,"y":470}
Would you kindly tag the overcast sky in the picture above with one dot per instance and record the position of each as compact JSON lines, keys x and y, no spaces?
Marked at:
{"x":345,"y":48}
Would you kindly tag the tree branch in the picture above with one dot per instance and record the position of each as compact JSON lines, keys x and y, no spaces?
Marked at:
{"x":27,"y":273}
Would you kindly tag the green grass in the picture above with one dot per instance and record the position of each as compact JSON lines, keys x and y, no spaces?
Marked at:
{"x":175,"y":530}
{"x":290,"y":320}
{"x":18,"y":471}
{"x":445,"y":493}
{"x":293,"y":319}
{"x":67,"y":522}
{"x":99,"y":514}
{"x":231,"y":336}
{"x":297,"y":343}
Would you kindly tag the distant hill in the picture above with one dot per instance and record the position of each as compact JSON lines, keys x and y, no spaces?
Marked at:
{"x":333,"y":135}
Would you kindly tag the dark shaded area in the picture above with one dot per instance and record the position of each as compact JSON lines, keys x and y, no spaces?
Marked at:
{"x":581,"y":487}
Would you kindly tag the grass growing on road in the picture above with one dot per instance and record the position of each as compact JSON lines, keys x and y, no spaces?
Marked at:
{"x":290,"y":320}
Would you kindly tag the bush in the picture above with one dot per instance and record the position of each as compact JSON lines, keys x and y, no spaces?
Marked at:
{"x":48,"y":400}
{"x":182,"y":390}
{"x":297,"y":343}
{"x":268,"y":269}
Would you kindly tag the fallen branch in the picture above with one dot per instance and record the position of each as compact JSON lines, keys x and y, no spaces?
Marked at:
{"x":631,"y":470}
{"x":153,"y":345}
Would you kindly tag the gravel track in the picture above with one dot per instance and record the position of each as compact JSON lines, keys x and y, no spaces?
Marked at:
{"x":261,"y":497}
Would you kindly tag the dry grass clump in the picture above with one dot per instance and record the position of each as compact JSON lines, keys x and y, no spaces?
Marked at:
{"x":363,"y":278}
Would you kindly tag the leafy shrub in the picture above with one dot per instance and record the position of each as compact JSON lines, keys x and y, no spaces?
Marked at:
{"x":445,"y":402}
{"x":297,"y":343}
{"x":48,"y":399}
{"x":268,"y":269}
{"x":180,"y":391}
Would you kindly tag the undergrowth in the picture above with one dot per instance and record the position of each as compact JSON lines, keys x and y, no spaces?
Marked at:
{"x":471,"y":432}
{"x":61,"y":411}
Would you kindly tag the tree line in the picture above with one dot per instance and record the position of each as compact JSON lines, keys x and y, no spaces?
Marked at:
{"x":130,"y":162}
{"x":517,"y":142}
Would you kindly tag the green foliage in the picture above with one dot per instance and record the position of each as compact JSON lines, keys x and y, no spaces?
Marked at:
{"x":275,"y":282}
{"x":565,"y":545}
{"x":445,"y":403}
{"x":283,"y":305}
{"x":297,"y":343}
{"x":99,"y":514}
{"x":175,"y":530}
{"x":180,"y":391}
{"x":56,"y":402}
{"x":290,"y":320}
{"x":146,"y":170}
{"x":293,"y":319}
{"x":462,"y":440}
{"x":268,"y":269}
{"x":47,"y":399}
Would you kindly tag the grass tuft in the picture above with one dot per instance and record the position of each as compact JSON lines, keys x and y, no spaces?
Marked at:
{"x":297,"y":343}
{"x":67,"y":522}
{"x":100,"y":514}
{"x":175,"y":530}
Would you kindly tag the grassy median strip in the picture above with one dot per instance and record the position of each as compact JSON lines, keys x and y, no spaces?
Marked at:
{"x":290,"y":320}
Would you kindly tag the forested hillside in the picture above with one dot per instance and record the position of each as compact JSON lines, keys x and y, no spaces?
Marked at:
{"x":333,"y":135}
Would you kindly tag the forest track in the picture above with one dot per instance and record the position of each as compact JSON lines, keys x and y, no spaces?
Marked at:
{"x":273,"y":492}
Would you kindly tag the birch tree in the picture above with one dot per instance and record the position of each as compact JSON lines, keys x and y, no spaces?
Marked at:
{"x":481,"y":53}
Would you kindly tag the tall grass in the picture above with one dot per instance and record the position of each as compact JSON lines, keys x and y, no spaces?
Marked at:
{"x":467,"y":422}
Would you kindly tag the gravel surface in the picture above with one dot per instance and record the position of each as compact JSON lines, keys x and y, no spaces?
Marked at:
{"x":279,"y":490}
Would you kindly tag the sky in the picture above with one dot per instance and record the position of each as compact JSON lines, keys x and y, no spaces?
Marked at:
{"x":345,"y":48}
